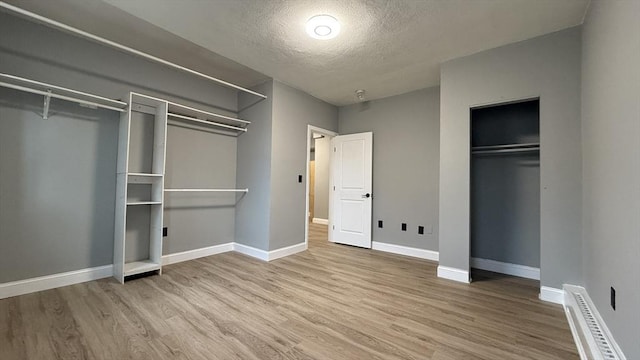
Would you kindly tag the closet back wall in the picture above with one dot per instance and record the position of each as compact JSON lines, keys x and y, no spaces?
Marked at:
{"x":57,"y":176}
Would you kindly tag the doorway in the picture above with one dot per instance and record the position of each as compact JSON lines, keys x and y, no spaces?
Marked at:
{"x":505,"y":189}
{"x":318,"y":177}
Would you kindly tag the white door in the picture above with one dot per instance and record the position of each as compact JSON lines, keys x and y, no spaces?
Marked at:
{"x":350,"y":199}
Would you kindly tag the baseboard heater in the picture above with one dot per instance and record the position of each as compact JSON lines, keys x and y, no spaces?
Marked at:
{"x":592,"y":337}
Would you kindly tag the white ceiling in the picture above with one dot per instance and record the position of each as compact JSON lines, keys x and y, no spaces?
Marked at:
{"x":386,"y":47}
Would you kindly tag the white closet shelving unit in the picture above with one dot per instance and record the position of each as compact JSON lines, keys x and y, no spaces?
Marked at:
{"x":151,"y":183}
{"x":126,"y":261}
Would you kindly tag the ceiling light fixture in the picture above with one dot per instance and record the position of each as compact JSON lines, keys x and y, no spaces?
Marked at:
{"x":323,"y":27}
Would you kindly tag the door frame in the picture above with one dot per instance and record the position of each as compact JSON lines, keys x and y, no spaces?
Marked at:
{"x":310,"y":130}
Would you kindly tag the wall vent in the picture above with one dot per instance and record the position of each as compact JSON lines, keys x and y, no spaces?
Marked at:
{"x":589,"y":330}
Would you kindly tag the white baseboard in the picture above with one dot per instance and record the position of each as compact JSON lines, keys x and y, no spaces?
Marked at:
{"x":286,"y":251}
{"x":506,"y":268}
{"x":320,"y":221}
{"x":552,"y":295}
{"x":588,"y":346}
{"x":197,"y":253}
{"x":251,"y":251}
{"x":405,"y":250}
{"x":269,"y":255}
{"x":454,"y":274}
{"x":40,"y":283}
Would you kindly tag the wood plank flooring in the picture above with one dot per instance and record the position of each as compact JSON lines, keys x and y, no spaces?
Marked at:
{"x":331,"y":302}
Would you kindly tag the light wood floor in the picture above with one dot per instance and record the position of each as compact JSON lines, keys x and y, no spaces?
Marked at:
{"x":331,"y":302}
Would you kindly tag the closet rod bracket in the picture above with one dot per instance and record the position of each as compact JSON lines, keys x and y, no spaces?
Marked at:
{"x":47,"y":101}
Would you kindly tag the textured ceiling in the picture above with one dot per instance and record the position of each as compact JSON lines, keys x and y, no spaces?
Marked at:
{"x":386,"y":47}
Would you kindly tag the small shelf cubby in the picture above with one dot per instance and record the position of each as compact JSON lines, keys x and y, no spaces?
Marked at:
{"x":140,"y":187}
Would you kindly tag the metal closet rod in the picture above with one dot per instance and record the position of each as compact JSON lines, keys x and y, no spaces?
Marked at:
{"x":206,"y":122}
{"x":207,"y":190}
{"x":505,"y":151}
{"x":506,"y":146}
{"x":116,"y":45}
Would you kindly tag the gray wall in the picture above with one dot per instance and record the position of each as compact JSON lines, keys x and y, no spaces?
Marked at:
{"x":57,"y":177}
{"x":405,"y":163}
{"x":254,"y":169}
{"x":321,"y":191}
{"x":293,"y":110}
{"x":547,"y":67}
{"x":198,"y":158}
{"x":611,"y":165}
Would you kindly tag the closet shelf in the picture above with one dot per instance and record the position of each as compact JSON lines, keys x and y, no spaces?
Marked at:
{"x":193,"y":112}
{"x":207,"y":190}
{"x":120,"y":47}
{"x":139,"y":267}
{"x":57,"y":92}
{"x":134,"y":203}
{"x":143,"y":174}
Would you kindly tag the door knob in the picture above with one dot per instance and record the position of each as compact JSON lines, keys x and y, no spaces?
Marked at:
{"x":367,"y":195}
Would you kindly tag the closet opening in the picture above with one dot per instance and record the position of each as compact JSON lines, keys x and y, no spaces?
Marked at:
{"x":317,"y":194}
{"x":505,"y":189}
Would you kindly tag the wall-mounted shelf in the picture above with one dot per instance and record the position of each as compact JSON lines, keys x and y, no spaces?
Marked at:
{"x":123,"y":48}
{"x":144,"y":203}
{"x":226,"y":123}
{"x":50,"y":91}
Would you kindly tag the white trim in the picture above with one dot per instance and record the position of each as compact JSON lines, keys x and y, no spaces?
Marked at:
{"x":552,"y":295}
{"x":47,"y":282}
{"x":197,"y":253}
{"x":286,"y":251}
{"x":251,"y":251}
{"x":269,"y":255}
{"x":506,"y":268}
{"x":579,"y":325}
{"x":454,"y":274}
{"x":320,"y":221}
{"x":405,"y":250}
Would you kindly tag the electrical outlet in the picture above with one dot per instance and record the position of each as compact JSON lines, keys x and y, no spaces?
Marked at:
{"x":420,"y":230}
{"x":404,"y":227}
{"x":613,"y":298}
{"x":380,"y":224}
{"x":165,"y":230}
{"x":299,"y":178}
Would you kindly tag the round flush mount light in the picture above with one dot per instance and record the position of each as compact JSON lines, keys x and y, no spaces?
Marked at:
{"x":323,"y":27}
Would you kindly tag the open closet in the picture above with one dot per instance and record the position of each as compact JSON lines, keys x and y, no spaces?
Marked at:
{"x":505,"y":188}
